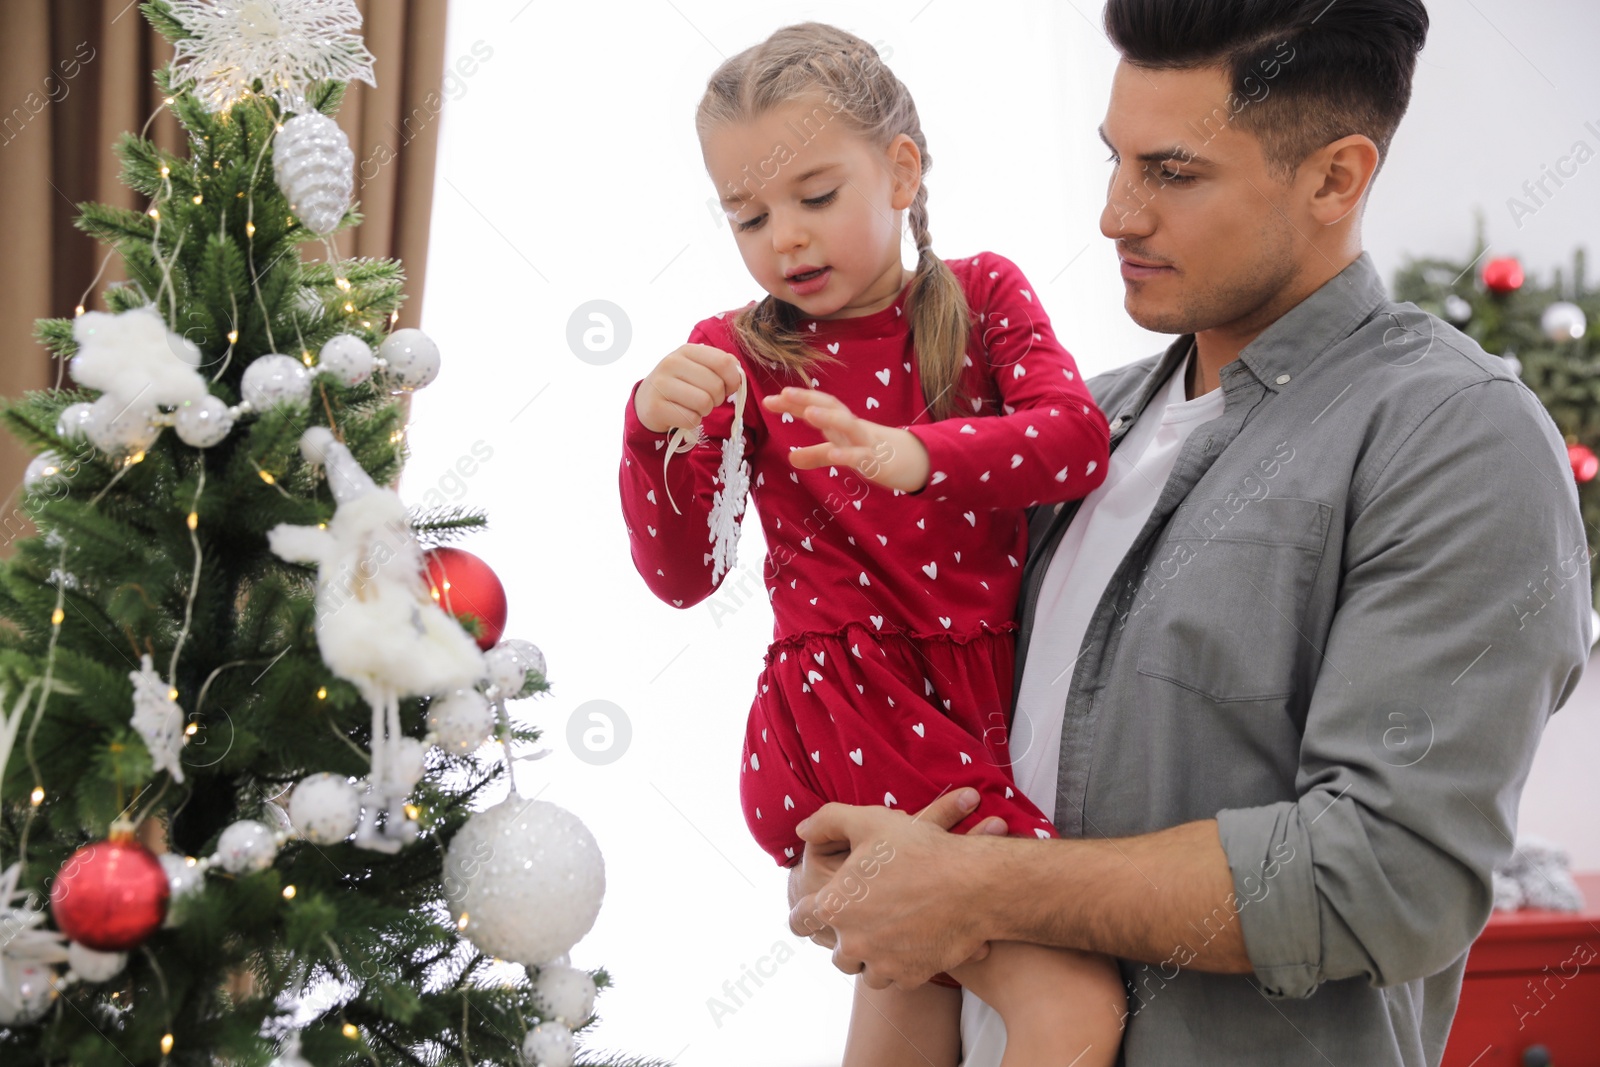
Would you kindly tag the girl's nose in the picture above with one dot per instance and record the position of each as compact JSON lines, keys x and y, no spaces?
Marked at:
{"x":788,"y":233}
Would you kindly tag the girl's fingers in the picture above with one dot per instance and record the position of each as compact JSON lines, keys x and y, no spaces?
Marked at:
{"x":811,"y":457}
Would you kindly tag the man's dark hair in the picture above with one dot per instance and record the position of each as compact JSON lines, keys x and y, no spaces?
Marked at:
{"x":1304,"y":72}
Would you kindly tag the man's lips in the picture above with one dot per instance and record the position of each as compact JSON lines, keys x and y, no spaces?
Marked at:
{"x":1135,"y":268}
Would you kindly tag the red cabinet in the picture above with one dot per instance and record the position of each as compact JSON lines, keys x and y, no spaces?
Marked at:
{"x":1532,"y":984}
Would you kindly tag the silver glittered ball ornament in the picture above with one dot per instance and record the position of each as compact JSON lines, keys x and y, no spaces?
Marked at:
{"x":549,"y":1044}
{"x":524,"y":880}
{"x":246,"y":846}
{"x":202,"y":423}
{"x":411,"y":358}
{"x":184,"y":878}
{"x":565,"y":993}
{"x":1563,"y":321}
{"x":73,"y":422}
{"x":117,"y":427}
{"x":460,"y":720}
{"x":315,"y":168}
{"x":275,"y":379}
{"x":346,"y":357}
{"x":325,"y":808}
{"x":43,"y":470}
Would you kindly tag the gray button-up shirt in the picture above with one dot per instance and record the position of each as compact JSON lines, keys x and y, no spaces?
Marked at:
{"x":1362,"y":591}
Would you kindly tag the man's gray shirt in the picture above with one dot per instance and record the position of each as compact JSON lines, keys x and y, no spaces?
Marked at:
{"x":1362,"y":591}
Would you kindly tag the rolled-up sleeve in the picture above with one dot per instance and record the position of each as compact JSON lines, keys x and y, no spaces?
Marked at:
{"x":1462,"y":623}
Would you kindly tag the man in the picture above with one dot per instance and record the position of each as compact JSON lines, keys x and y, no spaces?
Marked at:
{"x":1283,"y":675}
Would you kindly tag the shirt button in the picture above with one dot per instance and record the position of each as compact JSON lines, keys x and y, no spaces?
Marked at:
{"x":1116,"y":424}
{"x":1283,"y":379}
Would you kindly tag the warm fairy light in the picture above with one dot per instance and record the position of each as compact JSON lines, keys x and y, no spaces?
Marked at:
{"x":435,"y":593}
{"x":137,"y":457}
{"x":172,"y":694}
{"x":168,"y":101}
{"x":166,"y":1044}
{"x":350,"y":1031}
{"x":79,"y":310}
{"x":343,"y":284}
{"x":367,"y":324}
{"x":164,"y":170}
{"x":155,"y":214}
{"x":413,"y":812}
{"x":394,"y":317}
{"x":461,"y":923}
{"x":322,"y":526}
{"x":37,"y":796}
{"x":322,"y":692}
{"x":269,"y":479}
{"x":249,"y":229}
{"x":199,"y":198}
{"x":189,"y":731}
{"x":233,"y":337}
{"x":397,"y":437}
{"x":189,"y":861}
{"x":194,"y":520}
{"x":56,"y":616}
{"x":288,"y":892}
{"x":305,"y":356}
{"x":349,"y":307}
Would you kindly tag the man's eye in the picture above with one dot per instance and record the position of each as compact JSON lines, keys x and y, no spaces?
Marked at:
{"x":821,"y":201}
{"x":1113,"y":158}
{"x":1174,"y":176}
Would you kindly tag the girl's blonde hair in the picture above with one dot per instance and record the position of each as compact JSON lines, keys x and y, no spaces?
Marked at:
{"x":811,"y":58}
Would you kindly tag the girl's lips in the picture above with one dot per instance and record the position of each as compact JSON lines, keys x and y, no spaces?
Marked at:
{"x":806,"y":284}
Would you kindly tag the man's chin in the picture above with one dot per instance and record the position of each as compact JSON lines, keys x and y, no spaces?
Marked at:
{"x":1157,"y":318}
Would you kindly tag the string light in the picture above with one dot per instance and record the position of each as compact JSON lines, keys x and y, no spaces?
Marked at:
{"x":194,"y":520}
{"x":137,"y":457}
{"x":349,"y":307}
{"x":351,"y":1032}
{"x":269,"y":479}
{"x":394,"y":317}
{"x":37,"y":796}
{"x":343,"y":284}
{"x":461,"y":923}
{"x":198,"y":198}
{"x":233,"y":337}
{"x":79,"y":310}
{"x":56,"y":616}
{"x":322,"y":692}
{"x":413,"y":812}
{"x":305,"y":356}
{"x":165,"y":171}
{"x":288,"y":892}
{"x":189,"y":731}
{"x":166,"y":1044}
{"x":249,"y":229}
{"x":155,"y":214}
{"x":172,"y":694}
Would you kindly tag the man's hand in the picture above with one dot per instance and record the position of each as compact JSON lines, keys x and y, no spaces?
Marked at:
{"x":877,"y":867}
{"x":885,"y":456}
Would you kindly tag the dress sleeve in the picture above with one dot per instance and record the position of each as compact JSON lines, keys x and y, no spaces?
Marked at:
{"x":1051,"y":443}
{"x":672,"y":548}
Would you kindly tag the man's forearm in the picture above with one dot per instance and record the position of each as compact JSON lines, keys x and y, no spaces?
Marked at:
{"x":1165,"y":897}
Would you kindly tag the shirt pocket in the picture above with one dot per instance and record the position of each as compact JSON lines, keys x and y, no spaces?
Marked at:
{"x":1227,"y":593}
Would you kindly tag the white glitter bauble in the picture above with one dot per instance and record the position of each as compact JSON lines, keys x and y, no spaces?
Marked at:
{"x":246,"y":846}
{"x":315,"y":168}
{"x":524,"y":880}
{"x":73,"y":422}
{"x":116,"y":427}
{"x":566,"y":993}
{"x":202,"y":423}
{"x":412,"y":358}
{"x":275,"y":379}
{"x":548,"y":1045}
{"x":1563,"y":321}
{"x":94,"y":966}
{"x":528,"y":652}
{"x":1457,"y":310}
{"x":185,"y":879}
{"x":461,"y":720}
{"x":506,"y":669}
{"x":325,"y":808}
{"x":346,"y":357}
{"x":25,"y":991}
{"x":42,"y":470}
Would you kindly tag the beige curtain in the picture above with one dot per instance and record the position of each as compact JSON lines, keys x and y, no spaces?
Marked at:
{"x":74,"y":75}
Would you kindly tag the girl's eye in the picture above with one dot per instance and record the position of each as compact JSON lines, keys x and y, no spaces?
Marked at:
{"x":821,"y":201}
{"x":751,"y":224}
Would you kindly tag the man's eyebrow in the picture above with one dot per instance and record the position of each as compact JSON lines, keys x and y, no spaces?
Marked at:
{"x":1162,"y":155}
{"x":739,"y":198}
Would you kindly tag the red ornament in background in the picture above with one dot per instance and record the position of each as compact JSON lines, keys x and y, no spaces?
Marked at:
{"x":1503,"y":275}
{"x":111,"y":895}
{"x":464,"y":586}
{"x":1585,"y":464}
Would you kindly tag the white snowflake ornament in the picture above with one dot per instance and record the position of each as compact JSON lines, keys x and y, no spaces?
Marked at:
{"x":288,"y":44}
{"x":158,"y":718}
{"x":727,"y":503}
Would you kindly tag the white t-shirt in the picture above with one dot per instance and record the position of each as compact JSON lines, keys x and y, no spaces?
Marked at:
{"x":1088,"y":554}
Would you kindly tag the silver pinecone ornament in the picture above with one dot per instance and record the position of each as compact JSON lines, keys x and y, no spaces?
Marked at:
{"x":315,"y":169}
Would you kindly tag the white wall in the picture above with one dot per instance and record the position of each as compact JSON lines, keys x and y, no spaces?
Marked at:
{"x":570,"y":173}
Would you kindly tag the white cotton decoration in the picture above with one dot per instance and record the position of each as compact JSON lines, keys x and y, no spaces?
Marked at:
{"x":325,"y":808}
{"x":93,"y":966}
{"x":461,"y":720}
{"x":202,"y":423}
{"x":566,"y":993}
{"x":275,"y":379}
{"x":313,"y":165}
{"x":246,"y":846}
{"x":26,"y":989}
{"x":411,"y":359}
{"x":346,"y":357}
{"x":524,"y":880}
{"x":549,"y":1044}
{"x":134,"y":357}
{"x":158,"y":718}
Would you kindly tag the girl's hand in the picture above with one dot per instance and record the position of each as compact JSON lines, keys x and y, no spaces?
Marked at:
{"x":685,"y":387}
{"x":885,"y":456}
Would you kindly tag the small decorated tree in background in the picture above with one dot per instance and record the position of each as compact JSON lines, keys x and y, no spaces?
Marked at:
{"x":1549,"y":334}
{"x":245,"y":712}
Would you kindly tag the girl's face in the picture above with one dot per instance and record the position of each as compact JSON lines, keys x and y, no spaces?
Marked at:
{"x":815,"y":208}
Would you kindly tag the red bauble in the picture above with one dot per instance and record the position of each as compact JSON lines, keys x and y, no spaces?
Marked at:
{"x":1503,"y":275}
{"x":110,"y":896}
{"x":1585,"y":464}
{"x":464,"y":586}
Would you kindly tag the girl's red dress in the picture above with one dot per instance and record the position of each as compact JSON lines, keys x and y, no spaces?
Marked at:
{"x":889,"y":677}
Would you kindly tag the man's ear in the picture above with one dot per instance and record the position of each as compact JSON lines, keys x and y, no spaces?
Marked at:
{"x":1345,"y":169}
{"x":905,"y":171}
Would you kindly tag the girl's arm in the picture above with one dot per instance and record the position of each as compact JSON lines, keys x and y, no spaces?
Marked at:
{"x":671,"y":550}
{"x":1051,"y":443}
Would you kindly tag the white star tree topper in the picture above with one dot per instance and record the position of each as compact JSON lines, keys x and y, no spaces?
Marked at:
{"x":288,"y":44}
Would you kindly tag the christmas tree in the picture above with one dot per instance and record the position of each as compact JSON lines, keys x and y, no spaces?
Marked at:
{"x":245,"y":717}
{"x":1549,"y":334}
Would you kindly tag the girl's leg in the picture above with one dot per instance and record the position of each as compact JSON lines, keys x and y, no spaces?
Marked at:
{"x":904,"y":1027}
{"x":1061,"y":1008}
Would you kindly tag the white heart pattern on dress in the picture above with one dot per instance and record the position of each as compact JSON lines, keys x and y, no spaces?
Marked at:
{"x":883,"y":376}
{"x":877,"y":621}
{"x":855,"y":754}
{"x":918,"y":727}
{"x":931,"y":570}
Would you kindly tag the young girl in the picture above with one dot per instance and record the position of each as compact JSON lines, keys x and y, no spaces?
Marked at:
{"x":945,"y":407}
